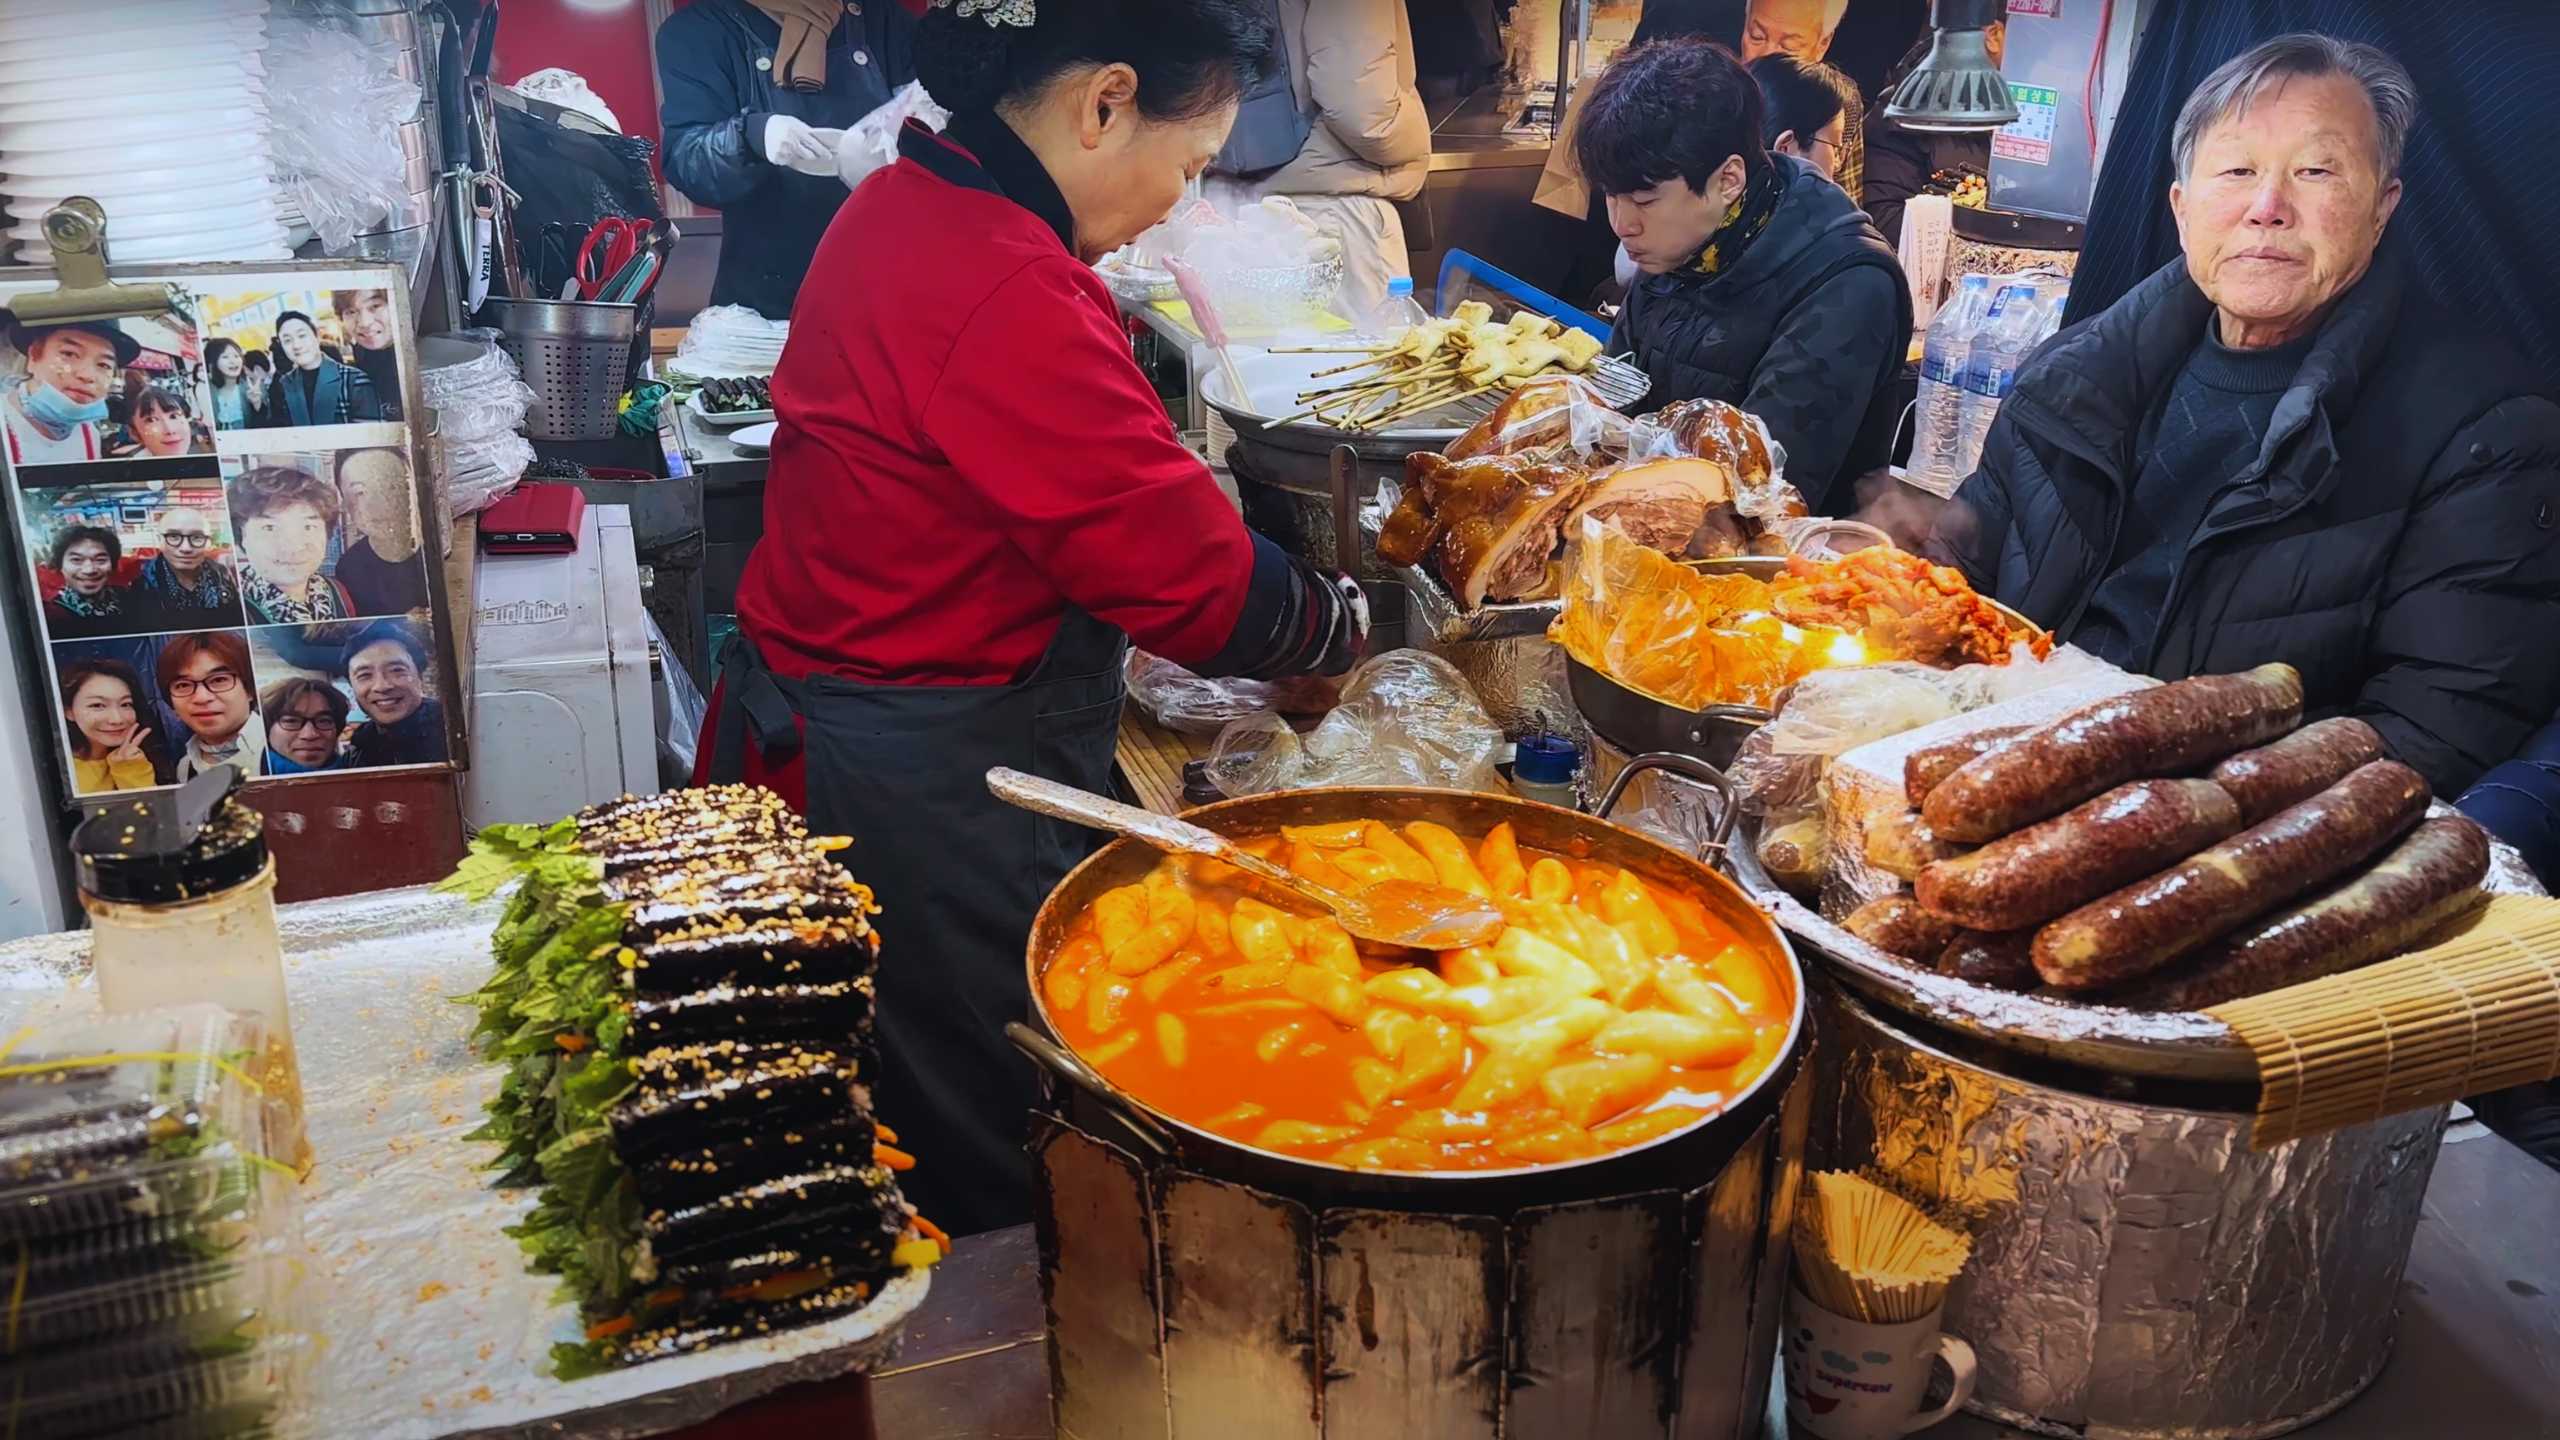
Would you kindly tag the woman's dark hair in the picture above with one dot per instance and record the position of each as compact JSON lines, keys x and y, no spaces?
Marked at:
{"x":213,"y":360}
{"x":77,"y":675}
{"x":1798,"y":96}
{"x":71,"y":535}
{"x":1674,"y":109}
{"x":150,"y":399}
{"x":266,"y":489}
{"x":257,"y":360}
{"x":283,"y":695}
{"x":1192,"y":56}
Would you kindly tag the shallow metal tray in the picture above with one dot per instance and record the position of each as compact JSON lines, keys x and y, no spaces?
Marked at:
{"x":433,"y":1327}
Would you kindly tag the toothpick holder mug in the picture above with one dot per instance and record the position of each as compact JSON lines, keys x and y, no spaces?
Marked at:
{"x":1849,"y":1380}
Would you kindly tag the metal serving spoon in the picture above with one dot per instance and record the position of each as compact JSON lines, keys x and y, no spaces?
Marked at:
{"x":1391,"y":912}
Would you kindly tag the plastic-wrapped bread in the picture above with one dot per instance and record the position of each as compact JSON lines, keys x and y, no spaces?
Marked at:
{"x":1865,"y":787}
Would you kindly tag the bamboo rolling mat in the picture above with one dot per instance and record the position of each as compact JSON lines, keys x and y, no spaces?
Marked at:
{"x":2473,"y":1012}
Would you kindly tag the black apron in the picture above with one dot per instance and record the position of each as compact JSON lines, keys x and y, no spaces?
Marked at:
{"x":959,"y":875}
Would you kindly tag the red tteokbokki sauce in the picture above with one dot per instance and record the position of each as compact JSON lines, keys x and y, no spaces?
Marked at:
{"x":1609,"y":1011}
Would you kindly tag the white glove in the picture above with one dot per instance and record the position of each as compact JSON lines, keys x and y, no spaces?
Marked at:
{"x":871,"y":143}
{"x":793,"y":145}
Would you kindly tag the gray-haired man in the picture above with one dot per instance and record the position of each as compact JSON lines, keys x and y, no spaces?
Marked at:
{"x":2281,"y":448}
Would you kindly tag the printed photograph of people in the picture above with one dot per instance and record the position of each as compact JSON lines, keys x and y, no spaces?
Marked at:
{"x":155,"y":422}
{"x":348,"y":696}
{"x":116,"y":733}
{"x":133,"y":559}
{"x":388,"y":669}
{"x":286,"y":519}
{"x":69,"y":393}
{"x":380,"y":569}
{"x":306,"y":718}
{"x":88,"y":596}
{"x":205,"y":679}
{"x":237,"y":379}
{"x":365,"y":318}
{"x":317,"y":367}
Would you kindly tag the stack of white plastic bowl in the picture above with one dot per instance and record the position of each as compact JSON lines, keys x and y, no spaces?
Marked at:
{"x":154,"y":109}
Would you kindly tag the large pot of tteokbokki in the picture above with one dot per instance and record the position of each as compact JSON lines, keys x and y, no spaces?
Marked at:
{"x":1348,"y":1191}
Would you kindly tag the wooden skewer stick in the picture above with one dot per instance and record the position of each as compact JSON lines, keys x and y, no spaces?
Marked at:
{"x":1323,"y":350}
{"x":1356,"y":365}
{"x":1388,"y":414}
{"x":1363,"y":365}
{"x":1378,"y":403}
{"x":1439,"y":377}
{"x":1432,"y":402}
{"x":1380,"y":382}
{"x":1347,"y":387}
{"x":1319,"y":409}
{"x":1358,"y":413}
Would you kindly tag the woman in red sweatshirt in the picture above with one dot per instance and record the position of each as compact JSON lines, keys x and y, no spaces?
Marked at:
{"x":975,"y":502}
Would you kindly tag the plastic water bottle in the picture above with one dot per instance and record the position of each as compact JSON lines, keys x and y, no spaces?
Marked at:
{"x":1941,"y":410}
{"x":2012,"y":327}
{"x":1395,"y":314}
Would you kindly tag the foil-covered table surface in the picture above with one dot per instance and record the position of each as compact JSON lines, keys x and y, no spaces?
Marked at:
{"x":428,"y":1324}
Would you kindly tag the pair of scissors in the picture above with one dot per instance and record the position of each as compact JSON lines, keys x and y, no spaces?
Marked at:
{"x":610,"y":245}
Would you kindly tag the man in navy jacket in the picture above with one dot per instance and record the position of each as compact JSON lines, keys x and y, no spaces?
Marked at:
{"x":728,"y":77}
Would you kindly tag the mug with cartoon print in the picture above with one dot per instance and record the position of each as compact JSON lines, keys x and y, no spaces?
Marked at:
{"x":1849,"y":1380}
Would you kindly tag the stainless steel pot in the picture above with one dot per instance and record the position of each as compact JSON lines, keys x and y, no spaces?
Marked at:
{"x":1107,"y":1108}
{"x":1637,"y":723}
{"x":1200,"y":1288}
{"x":2139,"y":1271}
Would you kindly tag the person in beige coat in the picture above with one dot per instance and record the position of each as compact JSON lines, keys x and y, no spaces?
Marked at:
{"x":1353,"y":72}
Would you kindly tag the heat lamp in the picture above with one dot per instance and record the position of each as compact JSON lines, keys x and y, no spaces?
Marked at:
{"x":1957,"y":88}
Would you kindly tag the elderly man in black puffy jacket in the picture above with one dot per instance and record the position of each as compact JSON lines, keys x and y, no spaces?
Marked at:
{"x":2280,"y":448}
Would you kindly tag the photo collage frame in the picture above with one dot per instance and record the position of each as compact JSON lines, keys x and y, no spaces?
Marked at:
{"x":220,"y":513}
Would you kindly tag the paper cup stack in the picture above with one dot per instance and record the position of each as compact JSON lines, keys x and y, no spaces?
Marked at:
{"x":154,"y":109}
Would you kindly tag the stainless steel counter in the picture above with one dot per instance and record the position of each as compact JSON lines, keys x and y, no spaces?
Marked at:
{"x":2478,"y":1358}
{"x":1477,"y":135}
{"x":732,"y":502}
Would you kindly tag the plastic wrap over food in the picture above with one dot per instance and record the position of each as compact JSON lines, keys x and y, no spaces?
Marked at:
{"x":479,"y":406}
{"x":1831,"y":712}
{"x":1863,"y":790}
{"x":2139,"y":1272}
{"x":1406,"y":718}
{"x":1198,"y":705}
{"x":337,"y":104}
{"x":1760,"y":493}
{"x":429,"y":1324}
{"x":729,"y":341}
{"x":1681,"y":636}
{"x":1553,"y":412}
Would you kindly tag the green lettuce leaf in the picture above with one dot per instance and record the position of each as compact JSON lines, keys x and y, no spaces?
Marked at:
{"x":503,"y":854}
